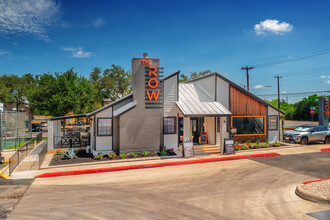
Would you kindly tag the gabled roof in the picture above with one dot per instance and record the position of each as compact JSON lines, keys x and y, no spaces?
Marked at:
{"x":171,"y":75}
{"x":108,"y":106}
{"x":124,"y":108}
{"x":194,"y":101}
{"x":236,"y":86}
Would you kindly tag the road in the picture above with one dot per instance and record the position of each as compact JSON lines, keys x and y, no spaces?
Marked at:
{"x":261,"y":188}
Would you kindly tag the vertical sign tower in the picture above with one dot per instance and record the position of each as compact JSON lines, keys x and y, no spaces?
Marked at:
{"x":323,"y":111}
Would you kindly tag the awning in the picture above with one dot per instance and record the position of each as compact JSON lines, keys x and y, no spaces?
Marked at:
{"x":195,"y":102}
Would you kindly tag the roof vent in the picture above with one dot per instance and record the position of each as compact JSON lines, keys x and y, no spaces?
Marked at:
{"x":145,"y":55}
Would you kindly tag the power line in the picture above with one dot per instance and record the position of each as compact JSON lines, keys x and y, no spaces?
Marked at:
{"x":291,"y":59}
{"x":297,"y":93}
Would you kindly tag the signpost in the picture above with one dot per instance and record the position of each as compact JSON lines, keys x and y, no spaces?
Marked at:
{"x":323,"y":111}
{"x":229,"y":146}
{"x":312,"y":111}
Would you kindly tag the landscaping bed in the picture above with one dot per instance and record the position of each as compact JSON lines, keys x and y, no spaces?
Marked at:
{"x":248,"y":145}
{"x":64,"y":157}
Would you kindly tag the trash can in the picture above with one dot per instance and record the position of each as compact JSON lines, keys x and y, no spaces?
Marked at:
{"x":188,"y":149}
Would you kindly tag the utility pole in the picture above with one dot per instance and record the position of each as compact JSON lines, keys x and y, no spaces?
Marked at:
{"x":247,"y":75}
{"x":278,"y":90}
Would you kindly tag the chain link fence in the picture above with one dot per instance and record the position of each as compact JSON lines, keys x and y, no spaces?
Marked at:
{"x":15,"y":129}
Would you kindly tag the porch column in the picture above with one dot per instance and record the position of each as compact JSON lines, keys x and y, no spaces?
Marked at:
{"x":186,"y":129}
{"x":54,"y":132}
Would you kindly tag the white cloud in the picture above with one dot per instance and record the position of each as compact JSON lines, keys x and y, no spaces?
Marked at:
{"x":78,"y":52}
{"x":323,"y":77}
{"x":328,"y":81}
{"x":272,"y":26}
{"x":258,"y":86}
{"x":31,"y":17}
{"x":3,"y":52}
{"x":284,"y":92}
{"x":98,"y":23}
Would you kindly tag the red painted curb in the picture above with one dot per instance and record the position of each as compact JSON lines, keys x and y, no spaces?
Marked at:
{"x":315,"y":181}
{"x":163,"y":164}
{"x":325,"y":149}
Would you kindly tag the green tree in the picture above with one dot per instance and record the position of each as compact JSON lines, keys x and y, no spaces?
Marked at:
{"x":193,"y":75}
{"x":113,"y":83}
{"x":61,"y":93}
{"x":4,"y":92}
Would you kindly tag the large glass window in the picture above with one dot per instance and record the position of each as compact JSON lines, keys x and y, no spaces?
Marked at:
{"x":273,"y":122}
{"x":169,"y":125}
{"x":104,"y":126}
{"x":249,"y":125}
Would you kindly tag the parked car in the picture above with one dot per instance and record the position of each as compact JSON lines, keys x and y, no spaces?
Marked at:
{"x":308,"y":133}
{"x":43,"y":124}
{"x":36,"y":128}
{"x":2,"y":159}
{"x":80,"y":123}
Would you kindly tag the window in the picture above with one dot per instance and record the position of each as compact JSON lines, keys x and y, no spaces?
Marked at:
{"x":272,"y":122}
{"x":104,"y":127}
{"x":249,"y":125}
{"x":218,"y":124}
{"x":169,"y":125}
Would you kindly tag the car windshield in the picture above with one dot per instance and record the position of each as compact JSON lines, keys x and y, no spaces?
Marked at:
{"x":301,"y":128}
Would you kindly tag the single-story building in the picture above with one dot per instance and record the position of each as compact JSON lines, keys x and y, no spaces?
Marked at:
{"x":163,"y":112}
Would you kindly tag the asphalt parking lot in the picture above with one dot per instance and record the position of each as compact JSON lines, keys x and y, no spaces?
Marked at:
{"x":261,"y":188}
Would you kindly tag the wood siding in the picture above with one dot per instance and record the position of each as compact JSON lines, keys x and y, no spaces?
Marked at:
{"x":242,"y":104}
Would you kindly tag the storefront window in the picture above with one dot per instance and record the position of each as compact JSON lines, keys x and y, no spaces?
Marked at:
{"x":104,"y":126}
{"x":169,"y":125}
{"x":273,"y":122}
{"x":249,"y":125}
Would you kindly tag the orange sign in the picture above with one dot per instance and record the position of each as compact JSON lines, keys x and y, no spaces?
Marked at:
{"x":152,"y":82}
{"x":326,"y":106}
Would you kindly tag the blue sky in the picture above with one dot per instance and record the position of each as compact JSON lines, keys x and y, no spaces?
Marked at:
{"x":40,"y":36}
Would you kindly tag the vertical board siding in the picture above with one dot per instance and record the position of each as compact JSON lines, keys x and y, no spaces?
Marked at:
{"x":242,"y":104}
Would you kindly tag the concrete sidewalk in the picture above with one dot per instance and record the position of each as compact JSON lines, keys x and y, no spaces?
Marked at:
{"x":287,"y":150}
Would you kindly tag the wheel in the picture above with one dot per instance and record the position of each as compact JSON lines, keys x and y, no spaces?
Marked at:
{"x":327,"y":140}
{"x":304,"y":141}
{"x":2,"y":160}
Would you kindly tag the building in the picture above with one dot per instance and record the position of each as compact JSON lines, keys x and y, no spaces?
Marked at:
{"x":163,"y":112}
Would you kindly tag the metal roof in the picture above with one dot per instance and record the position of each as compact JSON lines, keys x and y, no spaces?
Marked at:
{"x":124,"y":108}
{"x":194,"y":101}
{"x":67,"y":117}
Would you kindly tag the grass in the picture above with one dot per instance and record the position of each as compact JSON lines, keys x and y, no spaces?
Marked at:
{"x":21,"y":144}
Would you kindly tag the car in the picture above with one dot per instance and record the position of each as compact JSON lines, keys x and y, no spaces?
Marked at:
{"x":305,"y":134}
{"x":36,"y":128}
{"x":43,"y":124}
{"x":2,"y":159}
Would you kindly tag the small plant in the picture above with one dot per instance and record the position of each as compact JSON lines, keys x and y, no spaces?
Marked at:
{"x":237,"y":147}
{"x":122,"y":155}
{"x":236,"y":143}
{"x":145,"y":153}
{"x":265,"y":145}
{"x":99,"y":156}
{"x":257,"y":142}
{"x":70,"y":154}
{"x":276,"y":144}
{"x":112,"y":155}
{"x":170,"y":151}
{"x":163,"y":151}
{"x":134,"y":155}
{"x":267,"y":141}
{"x":59,"y":152}
{"x":244,"y":147}
{"x":81,"y":152}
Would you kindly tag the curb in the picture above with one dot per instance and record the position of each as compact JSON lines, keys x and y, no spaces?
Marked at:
{"x":163,"y":164}
{"x":2,"y":175}
{"x":325,"y":149}
{"x":301,"y":192}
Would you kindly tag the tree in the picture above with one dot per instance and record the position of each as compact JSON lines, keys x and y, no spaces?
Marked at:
{"x":112,"y":84}
{"x":61,"y":93}
{"x":4,"y":92}
{"x":193,"y":75}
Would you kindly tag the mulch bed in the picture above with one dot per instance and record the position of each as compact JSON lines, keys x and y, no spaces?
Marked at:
{"x":88,"y":158}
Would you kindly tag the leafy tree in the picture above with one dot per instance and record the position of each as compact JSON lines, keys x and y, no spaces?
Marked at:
{"x":113,"y":83}
{"x":4,"y":92}
{"x":61,"y":93}
{"x":193,"y":75}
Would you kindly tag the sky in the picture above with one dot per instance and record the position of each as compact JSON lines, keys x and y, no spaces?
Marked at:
{"x":40,"y":36}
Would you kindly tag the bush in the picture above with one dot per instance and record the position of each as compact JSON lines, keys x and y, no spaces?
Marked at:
{"x":163,"y":151}
{"x":145,"y":153}
{"x":112,"y":155}
{"x":134,"y":155}
{"x":237,"y":147}
{"x":99,"y":156}
{"x":264,"y":145}
{"x":81,"y":152}
{"x":244,"y":147}
{"x":122,"y":155}
{"x":170,"y":151}
{"x":267,"y":141}
{"x":276,"y":144}
{"x":59,"y":152}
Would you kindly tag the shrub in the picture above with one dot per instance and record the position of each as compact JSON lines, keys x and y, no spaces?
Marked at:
{"x":244,"y":147}
{"x":163,"y":151}
{"x":59,"y":152}
{"x":264,"y":145}
{"x":133,"y":154}
{"x":267,"y":141}
{"x":248,"y":145}
{"x":112,"y":155}
{"x":122,"y":155}
{"x":276,"y":144}
{"x":237,"y":147}
{"x":81,"y":152}
{"x":170,"y":151}
{"x":257,"y":142}
{"x":145,"y":153}
{"x":99,"y":156}
{"x":237,"y":143}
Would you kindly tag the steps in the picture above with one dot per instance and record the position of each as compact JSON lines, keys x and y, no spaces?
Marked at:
{"x":206,"y":149}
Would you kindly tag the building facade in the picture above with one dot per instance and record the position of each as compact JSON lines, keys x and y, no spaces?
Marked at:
{"x":163,"y":112}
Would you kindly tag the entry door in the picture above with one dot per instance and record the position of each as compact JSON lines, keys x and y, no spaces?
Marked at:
{"x":194,"y":129}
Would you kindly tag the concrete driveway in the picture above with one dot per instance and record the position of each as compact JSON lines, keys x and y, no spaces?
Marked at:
{"x":260,"y":188}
